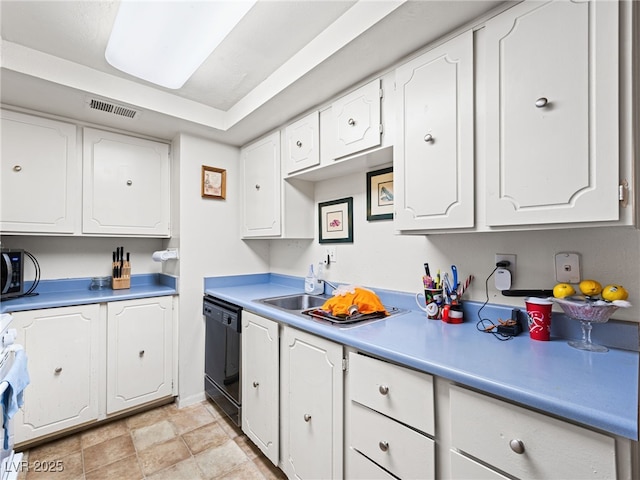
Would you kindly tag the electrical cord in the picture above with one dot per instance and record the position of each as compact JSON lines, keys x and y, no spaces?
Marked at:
{"x":485,"y":325}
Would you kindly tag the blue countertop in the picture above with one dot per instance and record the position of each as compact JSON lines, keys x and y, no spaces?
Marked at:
{"x":595,"y":389}
{"x":66,"y":292}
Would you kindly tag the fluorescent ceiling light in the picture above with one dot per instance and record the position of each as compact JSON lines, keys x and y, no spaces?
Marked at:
{"x":165,"y":42}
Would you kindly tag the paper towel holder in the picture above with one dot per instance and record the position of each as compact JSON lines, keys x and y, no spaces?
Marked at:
{"x":164,"y":255}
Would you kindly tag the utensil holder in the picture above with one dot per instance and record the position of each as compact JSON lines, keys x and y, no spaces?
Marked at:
{"x":124,"y":280}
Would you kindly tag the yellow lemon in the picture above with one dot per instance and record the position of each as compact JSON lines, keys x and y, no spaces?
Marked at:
{"x":590,"y":288}
{"x":614,"y":292}
{"x":562,"y":290}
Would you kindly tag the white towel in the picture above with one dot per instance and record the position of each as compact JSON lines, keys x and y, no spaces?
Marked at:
{"x":12,"y":398}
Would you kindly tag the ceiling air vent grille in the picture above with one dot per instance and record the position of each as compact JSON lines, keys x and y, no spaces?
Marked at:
{"x":113,"y":108}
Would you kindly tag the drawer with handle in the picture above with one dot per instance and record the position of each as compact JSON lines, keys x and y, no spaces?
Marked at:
{"x":525,"y":443}
{"x":397,"y":448}
{"x":403,"y":394}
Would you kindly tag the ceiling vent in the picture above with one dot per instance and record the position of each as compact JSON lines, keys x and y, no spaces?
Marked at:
{"x":111,"y":108}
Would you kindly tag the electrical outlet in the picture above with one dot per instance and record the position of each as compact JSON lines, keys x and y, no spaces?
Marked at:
{"x":567,"y":267}
{"x":504,"y":276}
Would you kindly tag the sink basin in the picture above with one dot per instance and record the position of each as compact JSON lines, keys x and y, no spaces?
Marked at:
{"x":296,"y":302}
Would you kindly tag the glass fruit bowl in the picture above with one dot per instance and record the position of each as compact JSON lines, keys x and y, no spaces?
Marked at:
{"x":588,"y":311}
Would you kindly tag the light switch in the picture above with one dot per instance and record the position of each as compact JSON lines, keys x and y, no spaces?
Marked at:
{"x":567,"y":267}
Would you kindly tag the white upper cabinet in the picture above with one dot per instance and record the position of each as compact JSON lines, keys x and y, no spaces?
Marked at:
{"x":434,"y":149}
{"x":41,"y":175}
{"x":356,"y":119}
{"x":261,"y":188}
{"x":126,"y":186}
{"x":552,"y":110}
{"x":302,"y":144}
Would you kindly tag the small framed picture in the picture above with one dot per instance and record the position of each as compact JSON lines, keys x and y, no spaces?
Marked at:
{"x":214,"y":182}
{"x":336,"y":221}
{"x":380,"y":194}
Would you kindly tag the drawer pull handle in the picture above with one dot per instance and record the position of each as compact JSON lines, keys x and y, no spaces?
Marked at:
{"x":141,"y":353}
{"x":17,"y":168}
{"x":517,"y":446}
{"x":542,"y":102}
{"x":351,"y":122}
{"x":58,"y":370}
{"x":307,"y":417}
{"x":129,"y":182}
{"x":299,"y":144}
{"x":257,"y":186}
{"x":384,"y":446}
{"x":383,"y":390}
{"x":255,"y":384}
{"x":428,"y":138}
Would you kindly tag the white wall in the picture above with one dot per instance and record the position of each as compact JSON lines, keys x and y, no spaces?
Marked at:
{"x":210,"y":245}
{"x":380,"y":258}
{"x":73,"y":257}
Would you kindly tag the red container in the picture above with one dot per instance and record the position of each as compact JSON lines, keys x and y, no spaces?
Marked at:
{"x":539,"y":313}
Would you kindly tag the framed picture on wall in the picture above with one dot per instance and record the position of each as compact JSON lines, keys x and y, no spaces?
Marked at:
{"x":380,"y":194}
{"x":336,"y":221}
{"x":214,"y":182}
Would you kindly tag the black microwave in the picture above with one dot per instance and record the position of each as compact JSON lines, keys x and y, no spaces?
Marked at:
{"x":12,"y":284}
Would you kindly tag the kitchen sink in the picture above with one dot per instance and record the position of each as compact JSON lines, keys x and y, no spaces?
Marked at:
{"x":309,"y":307}
{"x":296,"y":302}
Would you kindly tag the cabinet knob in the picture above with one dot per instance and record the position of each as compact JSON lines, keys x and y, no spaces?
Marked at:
{"x":141,"y":353}
{"x":255,"y":384}
{"x":307,"y":417}
{"x":57,"y":370}
{"x":299,"y":144}
{"x":384,"y":446}
{"x":428,"y":138}
{"x":517,"y":446}
{"x":383,"y":389}
{"x":17,"y":168}
{"x":541,"y":102}
{"x":257,"y":187}
{"x":351,"y":122}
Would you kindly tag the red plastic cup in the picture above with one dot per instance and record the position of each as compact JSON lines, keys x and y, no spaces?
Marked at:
{"x":539,"y":313}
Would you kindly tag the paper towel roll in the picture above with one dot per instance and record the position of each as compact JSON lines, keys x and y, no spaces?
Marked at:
{"x":164,"y":255}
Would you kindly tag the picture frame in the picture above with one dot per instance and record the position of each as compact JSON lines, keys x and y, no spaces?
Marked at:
{"x":214,"y":183}
{"x":335,"y":220}
{"x":380,"y":194}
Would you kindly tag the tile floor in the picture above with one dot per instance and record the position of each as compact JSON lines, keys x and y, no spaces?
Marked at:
{"x":166,"y":443}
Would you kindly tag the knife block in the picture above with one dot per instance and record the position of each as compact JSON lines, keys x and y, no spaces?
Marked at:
{"x":123,"y":281}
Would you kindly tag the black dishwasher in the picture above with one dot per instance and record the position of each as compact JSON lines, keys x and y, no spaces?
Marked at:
{"x":222,"y":355}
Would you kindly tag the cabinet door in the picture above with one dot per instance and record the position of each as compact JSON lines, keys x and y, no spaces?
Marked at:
{"x":261,"y":187}
{"x":434,"y":160}
{"x":63,"y":350}
{"x":139,"y":352}
{"x":302,"y":143}
{"x":356,"y":120}
{"x":311,"y":406}
{"x":126,"y":187}
{"x":552,"y":113}
{"x":41,"y":175}
{"x":260,"y":383}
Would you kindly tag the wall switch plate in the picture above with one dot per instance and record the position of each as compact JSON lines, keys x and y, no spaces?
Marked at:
{"x":330,"y":255}
{"x":567,"y":267}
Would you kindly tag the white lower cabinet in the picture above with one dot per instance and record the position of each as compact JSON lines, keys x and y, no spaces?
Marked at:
{"x":522,"y":443}
{"x":76,"y":354}
{"x":261,"y":383}
{"x":139,"y":352}
{"x":311,"y":407}
{"x":63,"y":347}
{"x":390,"y":421}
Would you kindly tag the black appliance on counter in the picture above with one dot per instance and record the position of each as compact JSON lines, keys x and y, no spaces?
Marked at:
{"x":12,"y":282}
{"x":222,"y":355}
